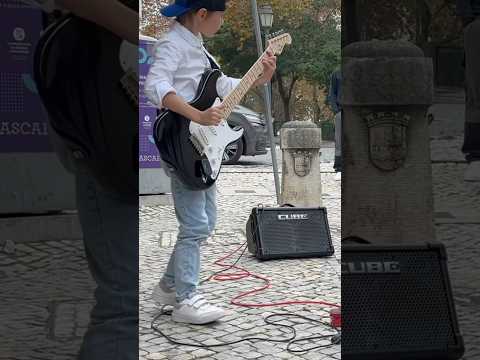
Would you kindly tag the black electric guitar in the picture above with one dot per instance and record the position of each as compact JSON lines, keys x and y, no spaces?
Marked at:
{"x":194,"y":151}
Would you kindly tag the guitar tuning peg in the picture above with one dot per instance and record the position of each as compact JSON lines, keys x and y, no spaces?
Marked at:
{"x":275,"y":34}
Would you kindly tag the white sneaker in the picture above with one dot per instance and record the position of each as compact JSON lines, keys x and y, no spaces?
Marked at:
{"x":196,"y":310}
{"x":163,"y":296}
{"x":473,"y":172}
{"x":338,"y":176}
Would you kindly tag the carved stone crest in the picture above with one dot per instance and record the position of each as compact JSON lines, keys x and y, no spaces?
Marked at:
{"x":302,"y":162}
{"x":387,"y":136}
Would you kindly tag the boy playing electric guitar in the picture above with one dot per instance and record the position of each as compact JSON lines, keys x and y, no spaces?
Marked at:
{"x":180,"y":61}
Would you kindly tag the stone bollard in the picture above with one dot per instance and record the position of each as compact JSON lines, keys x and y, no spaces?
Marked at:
{"x":386,"y":181}
{"x":300,"y":142}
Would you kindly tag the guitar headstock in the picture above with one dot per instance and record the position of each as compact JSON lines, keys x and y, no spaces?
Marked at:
{"x":278,"y":42}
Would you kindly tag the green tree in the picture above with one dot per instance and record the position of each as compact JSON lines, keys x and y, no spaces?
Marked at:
{"x":313,"y":55}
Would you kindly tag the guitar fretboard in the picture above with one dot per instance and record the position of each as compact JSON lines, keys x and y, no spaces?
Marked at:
{"x":242,"y":88}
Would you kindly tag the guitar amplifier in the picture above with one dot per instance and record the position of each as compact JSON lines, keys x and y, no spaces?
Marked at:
{"x":288,"y":232}
{"x":397,"y":304}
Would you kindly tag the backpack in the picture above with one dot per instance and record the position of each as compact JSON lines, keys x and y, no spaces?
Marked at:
{"x":92,"y":102}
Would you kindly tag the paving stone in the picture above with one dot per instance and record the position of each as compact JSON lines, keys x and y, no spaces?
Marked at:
{"x":313,"y":278}
{"x":59,"y":267}
{"x":156,"y":356}
{"x":202,"y":353}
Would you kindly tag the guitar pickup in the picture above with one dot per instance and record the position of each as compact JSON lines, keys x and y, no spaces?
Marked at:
{"x":196,"y":144}
{"x":213,"y":130}
{"x":204,"y":137}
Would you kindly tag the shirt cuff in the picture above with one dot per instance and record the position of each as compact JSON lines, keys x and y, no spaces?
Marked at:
{"x":158,"y":92}
{"x":235,"y":82}
{"x":225,"y":85}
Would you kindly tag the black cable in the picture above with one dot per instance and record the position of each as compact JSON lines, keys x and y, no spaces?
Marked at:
{"x":334,"y":338}
{"x":173,"y":341}
{"x":291,"y":340}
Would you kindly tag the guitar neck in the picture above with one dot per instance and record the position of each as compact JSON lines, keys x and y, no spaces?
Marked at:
{"x":237,"y":94}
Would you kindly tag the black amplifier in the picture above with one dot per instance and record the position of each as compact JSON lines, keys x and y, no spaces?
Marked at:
{"x":397,"y":303}
{"x":288,"y":232}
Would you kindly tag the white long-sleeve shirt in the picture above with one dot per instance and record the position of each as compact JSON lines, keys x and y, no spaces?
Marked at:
{"x":178,"y":66}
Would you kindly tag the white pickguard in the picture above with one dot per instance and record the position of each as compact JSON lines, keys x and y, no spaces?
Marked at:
{"x":212,"y":141}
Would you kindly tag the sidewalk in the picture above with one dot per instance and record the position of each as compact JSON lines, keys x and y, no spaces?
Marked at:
{"x":457,"y":213}
{"x":240,"y":188}
{"x":57,"y":322}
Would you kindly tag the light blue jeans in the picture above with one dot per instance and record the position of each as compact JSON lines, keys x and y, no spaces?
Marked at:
{"x":110,"y":235}
{"x":196,"y":213}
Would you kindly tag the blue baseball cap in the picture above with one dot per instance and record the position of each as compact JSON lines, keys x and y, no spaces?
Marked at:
{"x":181,"y":7}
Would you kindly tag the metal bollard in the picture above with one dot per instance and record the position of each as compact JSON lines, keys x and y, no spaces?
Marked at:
{"x":300,"y":142}
{"x":386,"y":180}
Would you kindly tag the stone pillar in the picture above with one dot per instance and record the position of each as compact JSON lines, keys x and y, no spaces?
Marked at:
{"x":386,"y":183}
{"x":300,"y":142}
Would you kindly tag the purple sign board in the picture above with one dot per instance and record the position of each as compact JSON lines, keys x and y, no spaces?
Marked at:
{"x":23,"y":120}
{"x":148,"y":152}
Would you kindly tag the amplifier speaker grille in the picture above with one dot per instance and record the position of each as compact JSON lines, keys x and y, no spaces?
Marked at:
{"x":406,"y":311}
{"x":289,"y":232}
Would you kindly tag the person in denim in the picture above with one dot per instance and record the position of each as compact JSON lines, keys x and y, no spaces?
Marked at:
{"x":196,"y":212}
{"x":333,"y":98}
{"x":469,"y":10}
{"x":109,"y":223}
{"x":108,"y":217}
{"x":180,"y":60}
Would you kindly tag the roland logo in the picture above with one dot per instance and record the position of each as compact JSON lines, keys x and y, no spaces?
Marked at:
{"x":292,"y":217}
{"x":371,"y":267}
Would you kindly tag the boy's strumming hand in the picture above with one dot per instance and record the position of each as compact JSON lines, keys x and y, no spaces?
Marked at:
{"x":212,"y":116}
{"x":269,"y":63}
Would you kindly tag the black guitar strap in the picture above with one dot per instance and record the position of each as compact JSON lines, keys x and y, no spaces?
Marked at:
{"x":213,"y":64}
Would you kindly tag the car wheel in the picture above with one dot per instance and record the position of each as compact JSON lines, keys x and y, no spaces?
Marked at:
{"x":233,"y":152}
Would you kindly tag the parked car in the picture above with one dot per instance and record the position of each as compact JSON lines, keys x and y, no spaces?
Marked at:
{"x":254,"y":139}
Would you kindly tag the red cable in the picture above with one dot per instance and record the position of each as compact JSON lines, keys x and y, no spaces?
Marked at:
{"x":244,"y":273}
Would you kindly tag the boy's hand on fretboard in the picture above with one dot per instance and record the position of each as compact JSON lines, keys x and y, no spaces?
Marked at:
{"x":269,"y":63}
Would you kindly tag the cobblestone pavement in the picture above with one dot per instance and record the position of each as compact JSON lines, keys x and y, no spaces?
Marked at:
{"x":47,"y":284}
{"x":46,"y":300}
{"x":457,"y":215}
{"x":240,"y":188}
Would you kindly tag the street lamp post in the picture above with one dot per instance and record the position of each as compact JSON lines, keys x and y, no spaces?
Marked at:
{"x":265,"y":13}
{"x":266,"y":16}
